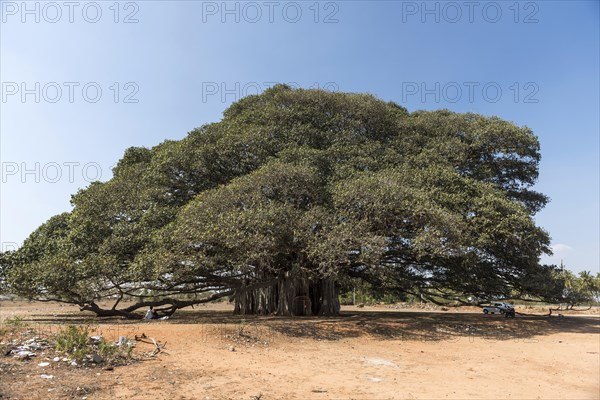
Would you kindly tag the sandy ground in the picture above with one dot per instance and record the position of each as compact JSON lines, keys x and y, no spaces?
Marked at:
{"x":367,"y":353}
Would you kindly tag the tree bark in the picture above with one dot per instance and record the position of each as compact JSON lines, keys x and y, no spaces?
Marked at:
{"x":289,"y":296}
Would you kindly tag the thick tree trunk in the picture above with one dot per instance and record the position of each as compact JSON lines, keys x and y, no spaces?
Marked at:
{"x":329,"y":304}
{"x":258,"y":298}
{"x":289,"y":295}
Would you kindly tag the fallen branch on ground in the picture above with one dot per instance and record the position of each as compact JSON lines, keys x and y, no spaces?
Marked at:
{"x":158,"y":347}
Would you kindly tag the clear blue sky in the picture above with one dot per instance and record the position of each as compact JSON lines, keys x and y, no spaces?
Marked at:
{"x":177,"y":65}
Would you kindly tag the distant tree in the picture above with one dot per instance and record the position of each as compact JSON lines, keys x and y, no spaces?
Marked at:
{"x":293,"y":193}
{"x":578,"y":290}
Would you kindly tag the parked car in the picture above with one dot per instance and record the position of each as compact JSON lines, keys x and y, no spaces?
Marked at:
{"x":500,"y":308}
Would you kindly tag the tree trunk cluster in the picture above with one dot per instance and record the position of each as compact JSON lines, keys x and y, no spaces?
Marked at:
{"x":289,"y":295}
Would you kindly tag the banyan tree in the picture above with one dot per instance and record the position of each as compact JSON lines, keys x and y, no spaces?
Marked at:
{"x":290,"y":194}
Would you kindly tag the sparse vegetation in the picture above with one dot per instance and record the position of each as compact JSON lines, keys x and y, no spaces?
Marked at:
{"x":15,"y":322}
{"x":12,"y":326}
{"x":75,"y":341}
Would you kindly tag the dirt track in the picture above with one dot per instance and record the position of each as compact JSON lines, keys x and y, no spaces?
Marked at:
{"x":370,"y":353}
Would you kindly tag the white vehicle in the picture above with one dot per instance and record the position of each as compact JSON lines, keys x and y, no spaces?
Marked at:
{"x":498,"y":308}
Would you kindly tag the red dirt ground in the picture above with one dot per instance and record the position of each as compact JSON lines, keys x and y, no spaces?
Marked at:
{"x":367,"y":353}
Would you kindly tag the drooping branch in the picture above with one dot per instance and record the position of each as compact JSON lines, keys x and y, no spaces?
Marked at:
{"x":171,"y":304}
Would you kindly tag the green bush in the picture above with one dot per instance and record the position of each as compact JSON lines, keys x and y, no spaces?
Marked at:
{"x":74,"y":340}
{"x":9,"y":328}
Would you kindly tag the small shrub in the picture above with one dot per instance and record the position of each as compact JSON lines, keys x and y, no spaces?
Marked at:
{"x":111,"y":352}
{"x":15,"y":322}
{"x":74,"y":340}
{"x":241,"y":328}
{"x":107,"y":349}
{"x":13,"y":325}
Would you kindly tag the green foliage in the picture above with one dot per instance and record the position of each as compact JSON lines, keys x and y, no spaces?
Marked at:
{"x":15,"y":322}
{"x":560,"y":285}
{"x":309,"y":184}
{"x":578,"y":290}
{"x":74,"y":340}
{"x":12,"y":326}
{"x":111,"y":352}
{"x":11,"y":329}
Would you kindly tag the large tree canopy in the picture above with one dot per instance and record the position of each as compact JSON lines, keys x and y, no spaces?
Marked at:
{"x":293,"y":192}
